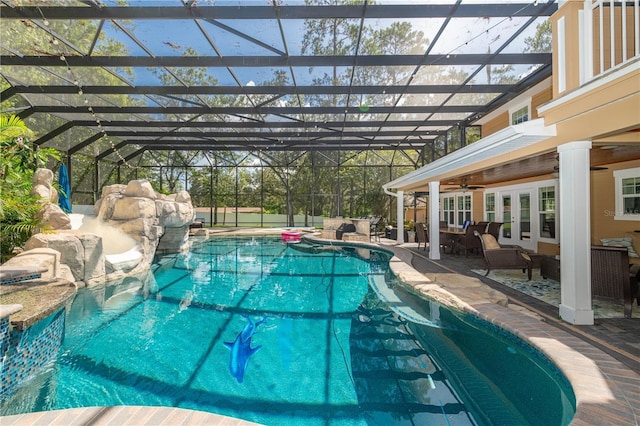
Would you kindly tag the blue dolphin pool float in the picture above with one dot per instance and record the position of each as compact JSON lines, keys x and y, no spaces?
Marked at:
{"x":250,"y":328}
{"x":241,"y":349}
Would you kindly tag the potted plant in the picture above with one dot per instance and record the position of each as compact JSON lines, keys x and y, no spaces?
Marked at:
{"x":410,"y":230}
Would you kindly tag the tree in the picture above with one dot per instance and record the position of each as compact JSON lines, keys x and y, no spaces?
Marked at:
{"x":63,"y":39}
{"x":18,"y":163}
{"x":542,"y":41}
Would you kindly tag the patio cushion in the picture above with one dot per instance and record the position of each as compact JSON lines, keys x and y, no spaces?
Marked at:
{"x":490,"y":242}
{"x":620,"y":242}
{"x":635,"y":240}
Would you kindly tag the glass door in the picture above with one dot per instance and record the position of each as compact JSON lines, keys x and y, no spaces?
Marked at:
{"x":507,"y":217}
{"x":524,"y":216}
{"x":516,"y":216}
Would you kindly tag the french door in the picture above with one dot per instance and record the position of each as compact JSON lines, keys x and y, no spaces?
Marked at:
{"x":516,"y":216}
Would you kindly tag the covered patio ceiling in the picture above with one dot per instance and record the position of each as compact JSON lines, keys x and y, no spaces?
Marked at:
{"x":538,"y":165}
{"x":249,"y":76}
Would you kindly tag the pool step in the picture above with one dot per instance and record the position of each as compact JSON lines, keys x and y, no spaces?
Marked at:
{"x":494,"y":408}
{"x":395,"y":377}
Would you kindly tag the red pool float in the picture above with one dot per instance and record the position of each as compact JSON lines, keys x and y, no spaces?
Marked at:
{"x":291,"y":237}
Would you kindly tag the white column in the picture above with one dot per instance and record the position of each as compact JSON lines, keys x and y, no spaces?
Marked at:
{"x":400,"y":216}
{"x":434,"y":220}
{"x":575,"y":233}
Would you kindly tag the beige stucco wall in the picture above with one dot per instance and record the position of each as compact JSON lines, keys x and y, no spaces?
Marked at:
{"x":607,"y":108}
{"x":568,"y":11}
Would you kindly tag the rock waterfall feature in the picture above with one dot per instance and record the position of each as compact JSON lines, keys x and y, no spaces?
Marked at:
{"x":131,"y":222}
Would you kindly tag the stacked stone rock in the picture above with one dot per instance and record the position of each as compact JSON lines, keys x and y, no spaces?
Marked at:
{"x":52,"y":216}
{"x":131,"y":219}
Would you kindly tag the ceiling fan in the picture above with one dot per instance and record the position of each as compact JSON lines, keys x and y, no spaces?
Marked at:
{"x":465,"y":187}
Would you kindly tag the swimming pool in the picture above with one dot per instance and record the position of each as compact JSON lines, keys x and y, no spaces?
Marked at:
{"x":292,"y":334}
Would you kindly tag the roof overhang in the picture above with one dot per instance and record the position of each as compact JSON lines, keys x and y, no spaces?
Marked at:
{"x":509,"y":140}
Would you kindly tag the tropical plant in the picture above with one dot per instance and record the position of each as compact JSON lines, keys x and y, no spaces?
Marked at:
{"x":18,"y":162}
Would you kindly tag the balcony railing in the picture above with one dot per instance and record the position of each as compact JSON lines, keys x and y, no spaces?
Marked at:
{"x":612,"y":36}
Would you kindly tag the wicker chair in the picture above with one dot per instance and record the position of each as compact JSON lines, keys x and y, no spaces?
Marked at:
{"x":612,"y":277}
{"x":469,"y":241}
{"x":485,"y":225}
{"x":421,"y":235}
{"x":494,"y":229}
{"x":502,"y":256}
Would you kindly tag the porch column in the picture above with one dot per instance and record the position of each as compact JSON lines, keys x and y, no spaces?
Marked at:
{"x":575,"y":233}
{"x":400,"y":215}
{"x":434,"y":220}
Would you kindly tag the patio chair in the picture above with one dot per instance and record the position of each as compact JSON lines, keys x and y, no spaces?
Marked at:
{"x":469,"y":241}
{"x":612,"y":276}
{"x":421,"y":235}
{"x":343,"y":229}
{"x":447,"y":240}
{"x":374,"y":223}
{"x":493,"y":228}
{"x":503,"y":256}
{"x":485,"y":226}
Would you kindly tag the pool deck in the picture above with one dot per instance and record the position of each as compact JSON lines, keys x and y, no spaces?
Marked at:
{"x":121,"y":416}
{"x":603,"y":372}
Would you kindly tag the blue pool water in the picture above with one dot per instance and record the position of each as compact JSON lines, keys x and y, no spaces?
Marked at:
{"x":292,"y":335}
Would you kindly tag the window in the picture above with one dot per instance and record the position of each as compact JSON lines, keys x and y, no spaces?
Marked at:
{"x":520,"y":115}
{"x":547,"y":211}
{"x":627,"y":189}
{"x":490,"y":207}
{"x":448,"y":210}
{"x":456,"y":209}
{"x":464,"y":208}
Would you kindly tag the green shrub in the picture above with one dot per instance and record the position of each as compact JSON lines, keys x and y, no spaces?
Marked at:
{"x":18,"y":162}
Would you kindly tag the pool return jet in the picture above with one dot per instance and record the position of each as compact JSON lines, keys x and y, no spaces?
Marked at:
{"x":241,"y":349}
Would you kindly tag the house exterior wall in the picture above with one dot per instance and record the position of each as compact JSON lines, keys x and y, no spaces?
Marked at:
{"x":568,"y":42}
{"x":495,"y":124}
{"x":603,"y":210}
{"x":607,"y":103}
{"x":544,"y":96}
{"x":504,"y":120}
{"x":601,"y":109}
{"x":609,"y":107}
